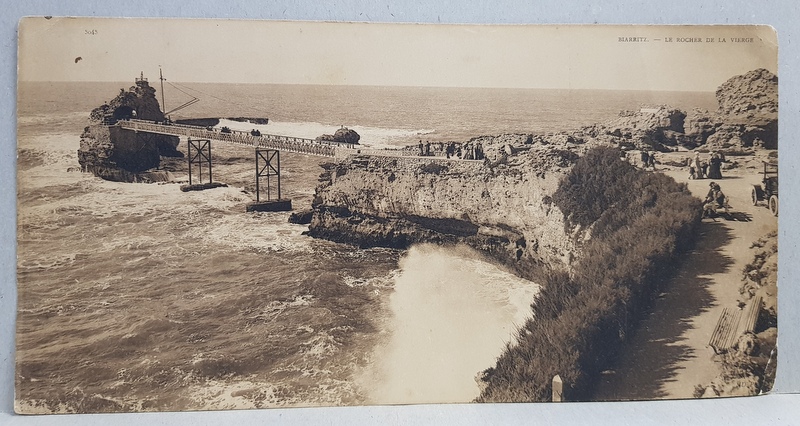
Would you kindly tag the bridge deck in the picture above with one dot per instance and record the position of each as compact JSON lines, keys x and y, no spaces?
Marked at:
{"x":277,"y":142}
{"x":282,"y":143}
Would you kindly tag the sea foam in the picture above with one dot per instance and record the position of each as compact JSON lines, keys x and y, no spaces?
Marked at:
{"x":452,"y":314}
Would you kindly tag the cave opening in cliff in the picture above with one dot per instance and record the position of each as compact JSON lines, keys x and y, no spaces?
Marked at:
{"x":123,"y":113}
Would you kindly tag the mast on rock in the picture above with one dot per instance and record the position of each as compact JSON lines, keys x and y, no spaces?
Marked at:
{"x":163,"y":102}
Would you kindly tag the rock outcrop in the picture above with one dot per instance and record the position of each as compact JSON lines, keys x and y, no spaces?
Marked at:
{"x":115,"y":154}
{"x":342,"y":135}
{"x":754,"y":94}
{"x":656,"y":128}
{"x":747,"y":116}
{"x":746,"y":119}
{"x":502,"y":207}
{"x":253,"y":120}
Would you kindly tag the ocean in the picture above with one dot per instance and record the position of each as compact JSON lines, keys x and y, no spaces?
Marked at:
{"x":142,"y":297}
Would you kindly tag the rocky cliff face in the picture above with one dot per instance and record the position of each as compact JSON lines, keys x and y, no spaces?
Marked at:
{"x":748,"y":112}
{"x":753,"y":94}
{"x":140,"y":98}
{"x":115,"y":154}
{"x":649,"y":128}
{"x":501,"y":207}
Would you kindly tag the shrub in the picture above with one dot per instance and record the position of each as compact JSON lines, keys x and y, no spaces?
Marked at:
{"x":640,"y":222}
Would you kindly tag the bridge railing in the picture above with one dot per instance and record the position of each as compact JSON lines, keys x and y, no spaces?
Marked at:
{"x":284,"y":143}
{"x":278,"y":142}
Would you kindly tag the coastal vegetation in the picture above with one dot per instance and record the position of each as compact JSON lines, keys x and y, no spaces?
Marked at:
{"x":635,"y":225}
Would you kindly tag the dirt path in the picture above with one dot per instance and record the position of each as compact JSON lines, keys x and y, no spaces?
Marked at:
{"x":669,"y":355}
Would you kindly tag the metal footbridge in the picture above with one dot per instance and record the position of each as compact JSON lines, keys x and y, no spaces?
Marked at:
{"x":277,"y":142}
{"x":267,"y":154}
{"x":265,"y":141}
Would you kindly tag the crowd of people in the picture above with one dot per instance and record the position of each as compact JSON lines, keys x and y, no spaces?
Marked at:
{"x":647,"y":159}
{"x":466,"y":151}
{"x":710,"y":168}
{"x":699,"y":168}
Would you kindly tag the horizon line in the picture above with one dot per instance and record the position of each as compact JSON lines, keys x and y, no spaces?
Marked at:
{"x":379,"y":85}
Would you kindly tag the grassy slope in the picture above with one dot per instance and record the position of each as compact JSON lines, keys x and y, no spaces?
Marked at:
{"x":639,"y":222}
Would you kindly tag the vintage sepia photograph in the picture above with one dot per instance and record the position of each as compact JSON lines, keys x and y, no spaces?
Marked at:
{"x":230,"y":214}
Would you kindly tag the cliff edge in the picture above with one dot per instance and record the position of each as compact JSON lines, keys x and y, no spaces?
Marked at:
{"x":503,"y":207}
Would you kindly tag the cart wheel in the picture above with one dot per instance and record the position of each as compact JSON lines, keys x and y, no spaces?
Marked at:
{"x":773,"y":205}
{"x":754,"y":196}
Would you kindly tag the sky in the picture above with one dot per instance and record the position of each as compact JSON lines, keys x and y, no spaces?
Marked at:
{"x":290,"y":52}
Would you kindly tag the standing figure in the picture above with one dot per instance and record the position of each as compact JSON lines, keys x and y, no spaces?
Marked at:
{"x":715,"y":167}
{"x":698,"y":166}
{"x":645,"y":159}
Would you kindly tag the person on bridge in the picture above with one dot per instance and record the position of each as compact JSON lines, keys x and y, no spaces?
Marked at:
{"x":450,"y":149}
{"x":467,"y":151}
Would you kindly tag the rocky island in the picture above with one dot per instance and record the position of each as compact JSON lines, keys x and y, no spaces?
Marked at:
{"x":114,"y":154}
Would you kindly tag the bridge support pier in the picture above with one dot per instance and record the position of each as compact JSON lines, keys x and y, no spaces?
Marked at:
{"x":268,"y":164}
{"x":199,"y":153}
{"x":202,"y":154}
